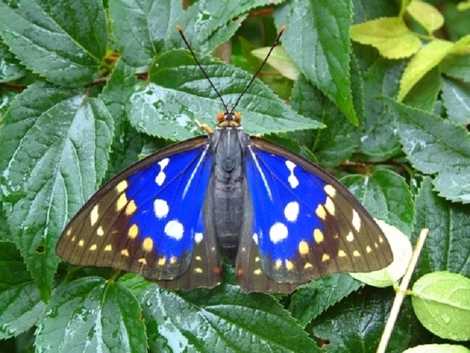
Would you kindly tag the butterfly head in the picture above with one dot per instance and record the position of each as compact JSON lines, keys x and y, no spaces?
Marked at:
{"x":228,"y":119}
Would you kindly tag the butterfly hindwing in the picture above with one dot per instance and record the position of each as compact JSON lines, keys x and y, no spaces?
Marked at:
{"x":305,"y":223}
{"x":149,"y":219}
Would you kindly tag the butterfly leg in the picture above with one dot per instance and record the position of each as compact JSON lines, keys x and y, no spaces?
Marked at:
{"x":204,"y":127}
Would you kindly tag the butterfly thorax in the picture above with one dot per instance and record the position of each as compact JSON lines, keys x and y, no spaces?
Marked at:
{"x":227,"y":201}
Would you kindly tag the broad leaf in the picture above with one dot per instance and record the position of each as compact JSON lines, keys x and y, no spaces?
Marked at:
{"x":423,"y":62}
{"x":278,"y":60}
{"x":364,"y":10}
{"x":437,"y":348}
{"x":10,"y":69}
{"x":379,"y":140}
{"x":355,"y":325}
{"x":340,"y":139}
{"x":436,"y":146}
{"x":447,"y":246}
{"x":43,"y":36}
{"x":54,"y":155}
{"x":389,"y":35}
{"x":456,"y":97}
{"x":178,"y":96}
{"x":90,"y":315}
{"x":424,"y":94}
{"x":426,"y":14}
{"x":20,"y":302}
{"x":386,"y":196}
{"x":221,"y":320}
{"x":317,"y":40}
{"x":141,"y":27}
{"x":441,"y":301}
{"x":312,"y":299}
{"x":457,"y":66}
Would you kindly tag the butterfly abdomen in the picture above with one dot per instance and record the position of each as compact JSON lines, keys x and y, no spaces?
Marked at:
{"x":227,"y":199}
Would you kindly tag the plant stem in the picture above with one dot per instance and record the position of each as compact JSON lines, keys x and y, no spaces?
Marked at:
{"x":402,"y":292}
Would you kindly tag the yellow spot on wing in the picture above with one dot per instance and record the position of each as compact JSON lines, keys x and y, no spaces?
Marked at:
{"x":93,"y":247}
{"x":356,"y":220}
{"x":289,"y":265}
{"x":81,"y":242}
{"x":341,"y":253}
{"x":330,"y":206}
{"x":108,"y":248}
{"x":350,"y":237}
{"x":368,"y":249}
{"x":133,"y":231}
{"x":198,"y":270}
{"x":257,"y":272}
{"x":307,"y":265}
{"x":121,"y":186}
{"x":121,"y":202}
{"x":100,"y":231}
{"x":125,"y":252}
{"x":131,"y":208}
{"x":356,"y":253}
{"x":325,"y":257}
{"x":162,"y":261}
{"x":278,"y":264}
{"x":147,"y":244}
{"x":318,"y":236}
{"x":173,"y":260}
{"x":142,"y":260}
{"x":320,"y":212}
{"x":303,"y":248}
{"x":94,"y":215}
{"x":330,"y":190}
{"x":69,"y":232}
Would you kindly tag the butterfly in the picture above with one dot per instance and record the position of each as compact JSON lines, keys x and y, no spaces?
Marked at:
{"x":175,"y":215}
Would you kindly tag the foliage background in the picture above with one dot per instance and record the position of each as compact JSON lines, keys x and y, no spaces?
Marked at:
{"x":87,"y":88}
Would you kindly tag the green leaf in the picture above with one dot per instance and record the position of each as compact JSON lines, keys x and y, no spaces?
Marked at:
{"x":312,"y":299}
{"x":64,"y":42}
{"x":423,"y":62}
{"x":141,"y":27}
{"x":363,"y":11}
{"x":386,"y":196}
{"x":208,"y":24}
{"x":20,"y":303}
{"x":424,"y":94}
{"x":437,"y":348}
{"x":389,"y":35}
{"x":278,"y":60}
{"x":317,"y":40}
{"x":456,"y":96}
{"x":436,"y":146}
{"x":91,"y":315}
{"x":221,"y":320}
{"x":356,"y":323}
{"x":426,"y":15}
{"x":55,"y":152}
{"x":379,"y":140}
{"x":441,"y":301}
{"x":178,"y":95}
{"x":457,"y":66}
{"x":446,"y":247}
{"x":10,"y":69}
{"x":340,"y":139}
{"x":463,"y":5}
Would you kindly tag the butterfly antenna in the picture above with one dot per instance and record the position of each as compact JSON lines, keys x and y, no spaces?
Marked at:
{"x":180,"y":31}
{"x":276,"y":42}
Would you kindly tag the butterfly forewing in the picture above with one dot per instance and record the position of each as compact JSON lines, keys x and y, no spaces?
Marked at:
{"x":305,"y":224}
{"x":149,"y":219}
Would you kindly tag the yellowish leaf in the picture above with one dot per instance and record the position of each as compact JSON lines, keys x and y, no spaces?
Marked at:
{"x":389,"y":35}
{"x":279,"y":60}
{"x":423,"y":62}
{"x":426,"y":15}
{"x":463,"y":5}
{"x":462,"y":46}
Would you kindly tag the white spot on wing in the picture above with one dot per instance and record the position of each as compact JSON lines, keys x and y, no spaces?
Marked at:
{"x":161,"y":176}
{"x":292,"y":179}
{"x":161,"y":209}
{"x":198,"y":237}
{"x":255,"y":238}
{"x":278,"y":232}
{"x":356,"y":220}
{"x":174,"y":229}
{"x":94,"y":215}
{"x":291,"y":211}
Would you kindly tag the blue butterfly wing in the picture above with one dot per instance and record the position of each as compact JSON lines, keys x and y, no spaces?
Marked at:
{"x":149,"y":219}
{"x":304,"y":224}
